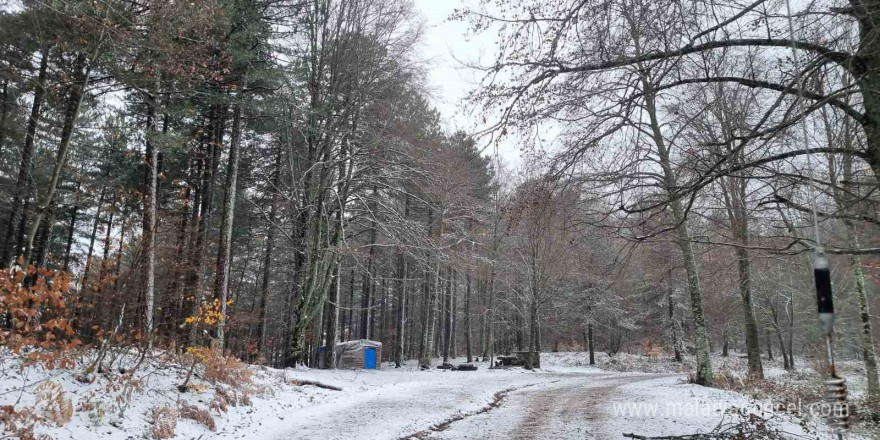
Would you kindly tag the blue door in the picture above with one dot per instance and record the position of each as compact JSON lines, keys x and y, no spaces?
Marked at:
{"x":370,"y":358}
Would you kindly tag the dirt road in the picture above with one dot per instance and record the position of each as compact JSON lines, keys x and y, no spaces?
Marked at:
{"x":572,"y":406}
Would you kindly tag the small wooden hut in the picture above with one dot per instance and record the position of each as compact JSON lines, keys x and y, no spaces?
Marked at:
{"x":359,"y":354}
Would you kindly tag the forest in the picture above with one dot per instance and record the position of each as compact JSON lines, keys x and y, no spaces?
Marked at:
{"x":257,"y":181}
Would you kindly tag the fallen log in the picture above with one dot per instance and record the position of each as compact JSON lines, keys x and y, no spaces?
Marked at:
{"x":313,"y":383}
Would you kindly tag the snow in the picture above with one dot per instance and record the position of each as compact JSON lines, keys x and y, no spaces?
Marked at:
{"x":567,"y":399}
{"x":665,"y":406}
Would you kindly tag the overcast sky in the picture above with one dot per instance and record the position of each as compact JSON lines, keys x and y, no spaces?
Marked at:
{"x":445,"y":42}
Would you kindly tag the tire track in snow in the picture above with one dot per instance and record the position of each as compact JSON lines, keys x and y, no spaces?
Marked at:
{"x":497,"y":400}
{"x":572,"y":407}
{"x":567,"y":404}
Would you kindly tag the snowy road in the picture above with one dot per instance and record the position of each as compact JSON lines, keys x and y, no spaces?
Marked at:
{"x":540,"y":405}
{"x":570,"y":407}
{"x":555,"y":403}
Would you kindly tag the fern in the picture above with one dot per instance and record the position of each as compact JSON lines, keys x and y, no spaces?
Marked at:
{"x":52,"y":402}
{"x":197,"y":414}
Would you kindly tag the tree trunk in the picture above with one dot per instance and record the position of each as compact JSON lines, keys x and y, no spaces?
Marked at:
{"x":368,"y":283}
{"x":453,"y":350}
{"x":734,"y":194}
{"x":212,"y":153}
{"x":151,"y":203}
{"x":482,"y":293}
{"x":24,"y":184}
{"x":844,"y":202}
{"x":189,"y":260}
{"x":791,"y":332}
{"x":70,"y":118}
{"x":869,"y":82}
{"x":448,"y":317}
{"x":673,"y":327}
{"x":267,"y":259}
{"x":221,"y":285}
{"x":439,"y":321}
{"x":333,"y":318}
{"x":867,"y":338}
{"x":591,"y":344}
{"x":44,"y":238}
{"x":105,"y":267}
{"x":533,"y":331}
{"x":4,"y":113}
{"x":775,"y":316}
{"x":86,"y":294}
{"x":85,"y":277}
{"x":704,"y":375}
{"x":119,"y":252}
{"x":176,"y":316}
{"x":490,"y":317}
{"x":318,"y":333}
{"x":427,"y":345}
{"x":71,"y":229}
{"x":351,"y":280}
{"x":402,"y":274}
{"x":467,"y":318}
{"x":383,"y":321}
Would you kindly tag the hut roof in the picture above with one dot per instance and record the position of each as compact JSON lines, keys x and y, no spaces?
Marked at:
{"x":360,"y":343}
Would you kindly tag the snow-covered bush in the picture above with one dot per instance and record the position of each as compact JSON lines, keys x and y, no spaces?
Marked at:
{"x":164,"y":422}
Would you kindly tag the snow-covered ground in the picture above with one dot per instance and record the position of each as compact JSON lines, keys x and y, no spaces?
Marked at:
{"x":566,"y":399}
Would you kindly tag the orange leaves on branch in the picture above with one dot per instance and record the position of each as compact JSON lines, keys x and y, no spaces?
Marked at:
{"x":210,"y":313}
{"x":36,"y":303}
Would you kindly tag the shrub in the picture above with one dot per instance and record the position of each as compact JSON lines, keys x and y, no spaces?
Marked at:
{"x":197,"y":414}
{"x":222,"y":369}
{"x":19,"y":423}
{"x":164,"y":422}
{"x":729,"y":380}
{"x":39,"y":317}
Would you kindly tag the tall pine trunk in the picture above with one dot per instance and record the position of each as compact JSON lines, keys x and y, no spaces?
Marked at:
{"x":151,"y":201}
{"x":212,"y":153}
{"x":71,"y":116}
{"x":104,"y":273}
{"x":24,"y":184}
{"x":92,"y":237}
{"x":71,"y":230}
{"x":267,"y":258}
{"x":221,"y":285}
{"x":174,"y":317}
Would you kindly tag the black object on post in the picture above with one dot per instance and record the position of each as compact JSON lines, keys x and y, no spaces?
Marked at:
{"x":823,"y":284}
